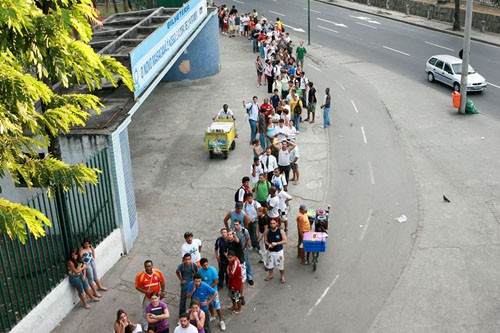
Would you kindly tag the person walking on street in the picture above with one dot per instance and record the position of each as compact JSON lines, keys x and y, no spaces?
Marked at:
{"x":252,"y":109}
{"x":275,"y":238}
{"x":148,"y":281}
{"x":301,"y":53}
{"x":326,"y":108}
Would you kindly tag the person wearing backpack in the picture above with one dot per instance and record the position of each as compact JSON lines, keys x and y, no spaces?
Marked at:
{"x":185,"y":273}
{"x":239,"y":196}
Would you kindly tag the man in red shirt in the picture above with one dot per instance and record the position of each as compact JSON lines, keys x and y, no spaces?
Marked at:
{"x":234,"y":282}
{"x":148,"y":281}
{"x":266,"y":106}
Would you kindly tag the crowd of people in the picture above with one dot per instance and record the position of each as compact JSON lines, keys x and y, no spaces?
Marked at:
{"x":259,"y":220}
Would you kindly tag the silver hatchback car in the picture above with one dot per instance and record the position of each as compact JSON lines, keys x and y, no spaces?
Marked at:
{"x":448,"y":69}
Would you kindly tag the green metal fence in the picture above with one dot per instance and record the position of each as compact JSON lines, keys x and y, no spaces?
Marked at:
{"x":29,"y":272}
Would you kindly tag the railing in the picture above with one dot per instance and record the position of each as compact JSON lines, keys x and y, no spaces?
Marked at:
{"x":29,"y":272}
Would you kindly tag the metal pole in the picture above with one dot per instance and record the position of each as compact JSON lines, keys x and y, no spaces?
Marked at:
{"x":465,"y":60}
{"x":308,"y":22}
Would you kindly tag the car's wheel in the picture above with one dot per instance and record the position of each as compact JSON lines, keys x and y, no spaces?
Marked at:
{"x":430,"y":77}
{"x":456,"y":86}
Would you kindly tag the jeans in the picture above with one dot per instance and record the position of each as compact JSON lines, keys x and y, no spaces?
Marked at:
{"x":91,"y":272}
{"x":255,"y":45}
{"x":182,"y":304}
{"x":262,"y":138}
{"x":206,"y":326}
{"x":296,"y":121}
{"x":249,"y":269}
{"x":253,"y":129}
{"x":252,"y":230}
{"x":78,"y":283}
{"x":326,"y":117}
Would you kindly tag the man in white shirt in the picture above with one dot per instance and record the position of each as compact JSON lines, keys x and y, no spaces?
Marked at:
{"x":284,"y":198}
{"x":250,"y":207}
{"x":269,"y":162}
{"x":225,"y":113}
{"x":255,"y":170}
{"x":252,"y":109}
{"x":279,"y":180}
{"x":273,"y":203}
{"x":185,"y":326}
{"x":193,"y":247}
{"x":284,"y":148}
{"x":281,"y":131}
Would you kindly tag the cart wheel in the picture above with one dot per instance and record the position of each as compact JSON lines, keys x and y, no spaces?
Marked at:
{"x":211,"y":154}
{"x":224,"y":154}
{"x":233,"y":145}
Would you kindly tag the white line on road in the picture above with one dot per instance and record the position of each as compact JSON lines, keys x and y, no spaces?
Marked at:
{"x":295,"y":29}
{"x":394,"y":50}
{"x":316,"y":68}
{"x":340,"y":84}
{"x":370,"y":169}
{"x":239,"y":1}
{"x":366,"y":225}
{"x":366,"y":25}
{"x":334,"y":23}
{"x":354,"y":106}
{"x":313,"y":11}
{"x":277,"y":13}
{"x":328,"y":29}
{"x":436,"y":45}
{"x":322,"y":296}
{"x":364,"y":135}
{"x":494,"y":85}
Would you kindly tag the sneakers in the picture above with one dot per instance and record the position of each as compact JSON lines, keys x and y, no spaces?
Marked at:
{"x":250,"y":282}
{"x":212,"y":318}
{"x":222,"y":325}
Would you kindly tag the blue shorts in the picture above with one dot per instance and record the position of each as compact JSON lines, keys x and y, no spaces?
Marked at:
{"x":215,"y":303}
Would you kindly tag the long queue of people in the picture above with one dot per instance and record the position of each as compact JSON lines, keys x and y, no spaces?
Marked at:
{"x":259,"y":220}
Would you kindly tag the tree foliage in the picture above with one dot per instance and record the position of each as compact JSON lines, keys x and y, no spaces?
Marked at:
{"x":44,"y":44}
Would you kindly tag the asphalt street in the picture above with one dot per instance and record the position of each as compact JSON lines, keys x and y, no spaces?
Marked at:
{"x":384,"y":42}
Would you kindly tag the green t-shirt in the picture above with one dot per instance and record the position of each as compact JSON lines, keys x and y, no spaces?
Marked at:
{"x":301,"y":52}
{"x":262,"y":191}
{"x":299,"y":92}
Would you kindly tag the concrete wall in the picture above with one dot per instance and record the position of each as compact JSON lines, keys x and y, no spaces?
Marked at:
{"x":437,"y":12}
{"x":202,"y":56}
{"x":55,"y":306}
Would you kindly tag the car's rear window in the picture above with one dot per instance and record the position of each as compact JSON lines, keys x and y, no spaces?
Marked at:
{"x":432,"y":61}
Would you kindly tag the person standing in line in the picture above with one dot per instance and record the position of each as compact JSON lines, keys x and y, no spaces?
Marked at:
{"x":210,"y":276}
{"x":275,"y":238}
{"x":157,"y":314}
{"x":251,"y":208}
{"x":326,"y":108}
{"x":302,"y":227}
{"x":301,"y":53}
{"x":235,"y":214}
{"x":205,"y":294}
{"x":284,"y":156}
{"x":235,"y":281}
{"x":220,"y":255}
{"x":270,"y":163}
{"x":185,"y":273}
{"x":244,"y":238}
{"x":252,"y":109}
{"x":193,"y":247}
{"x":148,"y":281}
{"x":294,"y":163}
{"x":185,"y":326}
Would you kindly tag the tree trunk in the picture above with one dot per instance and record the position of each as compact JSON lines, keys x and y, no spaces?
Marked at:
{"x":456,"y":21}
{"x":106,"y":5}
{"x":115,"y":6}
{"x":125,"y":6}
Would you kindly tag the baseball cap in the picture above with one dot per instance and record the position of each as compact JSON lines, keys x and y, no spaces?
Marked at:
{"x":238,"y":205}
{"x":303,"y":207}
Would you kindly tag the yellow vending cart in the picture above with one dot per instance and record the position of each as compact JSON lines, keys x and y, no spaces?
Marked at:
{"x":219,"y":137}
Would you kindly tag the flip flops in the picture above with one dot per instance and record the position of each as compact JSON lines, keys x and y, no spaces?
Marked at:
{"x":269,"y":278}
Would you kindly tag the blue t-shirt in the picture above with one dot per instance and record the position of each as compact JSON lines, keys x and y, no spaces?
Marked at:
{"x":209,"y":275}
{"x":203,"y":293}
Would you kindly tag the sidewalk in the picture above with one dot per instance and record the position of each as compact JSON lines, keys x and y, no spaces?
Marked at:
{"x":485,"y":37}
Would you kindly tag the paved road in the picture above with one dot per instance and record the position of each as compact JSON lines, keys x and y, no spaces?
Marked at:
{"x":400,"y":47}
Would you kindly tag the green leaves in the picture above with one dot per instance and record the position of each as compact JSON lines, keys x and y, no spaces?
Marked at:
{"x":43,"y":43}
